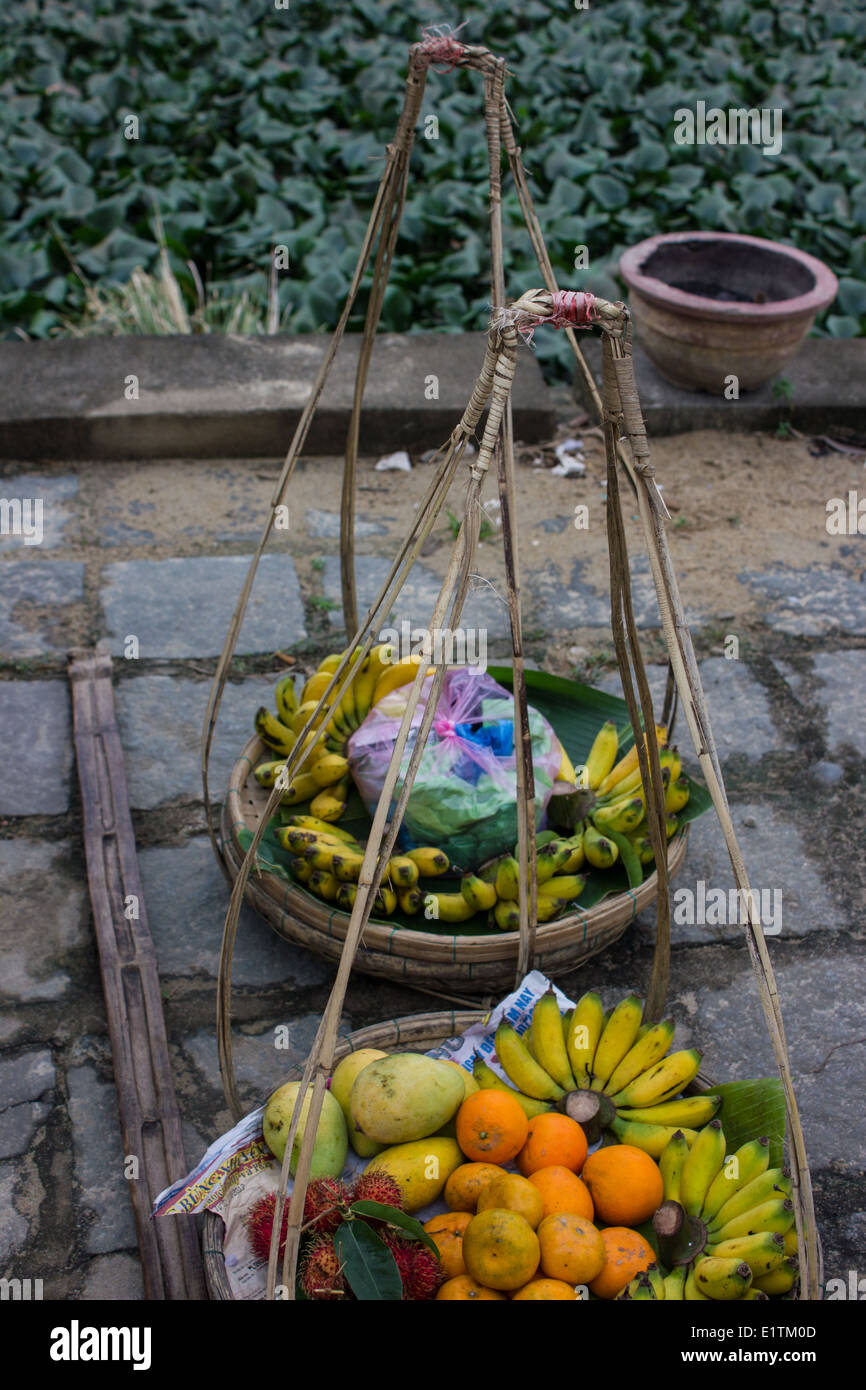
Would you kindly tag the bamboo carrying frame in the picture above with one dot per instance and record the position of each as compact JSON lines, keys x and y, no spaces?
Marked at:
{"x":622,"y":423}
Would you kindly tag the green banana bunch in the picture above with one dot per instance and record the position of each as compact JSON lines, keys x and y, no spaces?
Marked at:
{"x":725,"y":1221}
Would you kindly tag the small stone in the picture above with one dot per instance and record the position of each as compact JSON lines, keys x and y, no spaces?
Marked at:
{"x":749,"y":822}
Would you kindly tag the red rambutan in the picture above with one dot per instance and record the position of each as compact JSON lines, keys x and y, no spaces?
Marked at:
{"x":378,"y":1187}
{"x":419,"y":1268}
{"x":260,"y":1225}
{"x":324,"y":1205}
{"x":321,"y":1275}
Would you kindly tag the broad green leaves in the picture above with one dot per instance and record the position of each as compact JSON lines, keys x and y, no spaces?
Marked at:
{"x":259,"y":126}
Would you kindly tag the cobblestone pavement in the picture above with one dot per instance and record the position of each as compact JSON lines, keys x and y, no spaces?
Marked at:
{"x":157,"y":553}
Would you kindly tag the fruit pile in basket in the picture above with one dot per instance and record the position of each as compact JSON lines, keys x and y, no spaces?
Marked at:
{"x":526,"y":1210}
{"x":603,"y":807}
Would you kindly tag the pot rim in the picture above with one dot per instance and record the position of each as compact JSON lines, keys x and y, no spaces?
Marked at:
{"x":657,"y":291}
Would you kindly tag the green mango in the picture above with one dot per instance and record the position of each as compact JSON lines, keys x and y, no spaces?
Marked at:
{"x":332,"y":1140}
{"x":405,"y":1096}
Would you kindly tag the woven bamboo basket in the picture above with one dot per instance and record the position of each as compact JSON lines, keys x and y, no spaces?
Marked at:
{"x":476,"y":964}
{"x":417,"y":1033}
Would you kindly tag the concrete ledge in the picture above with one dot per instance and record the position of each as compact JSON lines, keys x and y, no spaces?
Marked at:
{"x":828,"y":392}
{"x":213,"y":396}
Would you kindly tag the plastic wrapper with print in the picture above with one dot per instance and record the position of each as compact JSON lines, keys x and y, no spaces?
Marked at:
{"x":464,"y":798}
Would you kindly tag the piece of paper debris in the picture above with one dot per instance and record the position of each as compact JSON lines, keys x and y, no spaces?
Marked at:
{"x":398,"y":463}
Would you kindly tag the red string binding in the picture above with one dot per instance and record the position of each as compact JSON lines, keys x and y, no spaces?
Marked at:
{"x":572,"y":308}
{"x":439,"y":45}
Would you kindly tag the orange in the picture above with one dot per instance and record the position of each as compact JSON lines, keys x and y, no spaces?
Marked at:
{"x":467,"y":1182}
{"x":625,"y":1184}
{"x":513,"y":1193}
{"x":552,"y":1140}
{"x":562,"y":1190}
{"x":544,"y":1291}
{"x":625,"y":1254}
{"x":491,"y":1126}
{"x":571,"y":1248}
{"x":446,"y":1232}
{"x":465,"y":1289}
{"x":500,"y":1249}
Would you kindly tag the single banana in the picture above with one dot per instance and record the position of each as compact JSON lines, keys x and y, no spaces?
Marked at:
{"x":566,"y":887}
{"x":776,"y":1215}
{"x":675,"y":1283}
{"x":691,"y":1292}
{"x":506,"y":915}
{"x":791,"y":1245}
{"x":653,"y":1139}
{"x":301,"y":841}
{"x":652,"y":1044}
{"x":763,"y":1251}
{"x":630,"y":784}
{"x":315,"y":687}
{"x":431,"y":862}
{"x":385,"y":900}
{"x":703,"y":1163}
{"x":600,"y":852}
{"x":672,"y":825}
{"x":669,"y":760}
{"x":671,"y":1161}
{"x":488,"y":1080}
{"x":548,"y":1044}
{"x":398,"y":673}
{"x":302,"y":870}
{"x":411,"y":900}
{"x":629,"y":858}
{"x":566,"y":771}
{"x":527,"y":1074}
{"x":621,"y":816}
{"x":286,"y":699}
{"x":550,"y":860}
{"x":324,"y":884}
{"x":364,"y":685}
{"x":576,"y":859}
{"x":507,"y":884}
{"x":602,"y":754}
{"x":330,"y":768}
{"x":583,"y":1035}
{"x":447,"y":907}
{"x":331,"y":662}
{"x":330,"y":803}
{"x":657,"y":1281}
{"x":780,"y":1280}
{"x":303,"y":713}
{"x":402,"y":871}
{"x":677,"y":795}
{"x":301,"y":788}
{"x":266,"y":774}
{"x":766,"y":1186}
{"x":694,"y":1111}
{"x":346,"y":712}
{"x":660,"y":1082}
{"x":749,"y":1162}
{"x":627,"y":764}
{"x":273,"y":733}
{"x":346,"y":894}
{"x":480,"y":896}
{"x":724,"y":1279}
{"x":619,"y":1036}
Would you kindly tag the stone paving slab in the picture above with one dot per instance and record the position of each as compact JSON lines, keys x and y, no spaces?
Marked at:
{"x":187,"y":899}
{"x":33,"y":596}
{"x":794,"y":902}
{"x":43,"y":921}
{"x":36,"y":720}
{"x":222,"y":395}
{"x":563,"y":603}
{"x":814,"y":602}
{"x":843,"y":697}
{"x":183,"y":607}
{"x":160,"y":720}
{"x":738,"y":706}
{"x":99,"y":1159}
{"x":114,"y":1277}
{"x":14,"y":1228}
{"x":822,"y":997}
{"x":42,"y":504}
{"x":483,"y":611}
{"x":260,"y":1066}
{"x":325,"y":526}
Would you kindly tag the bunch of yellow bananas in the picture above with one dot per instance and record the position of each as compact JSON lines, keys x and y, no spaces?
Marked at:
{"x":495,"y":887}
{"x":726,"y":1226}
{"x":327,"y":861}
{"x":616,"y":826}
{"x":322,"y":774}
{"x":607,"y":1071}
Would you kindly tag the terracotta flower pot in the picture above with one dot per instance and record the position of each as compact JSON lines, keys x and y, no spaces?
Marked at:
{"x":711,"y":305}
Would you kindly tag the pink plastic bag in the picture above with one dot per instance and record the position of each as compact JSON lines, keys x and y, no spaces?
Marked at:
{"x":464,"y":798}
